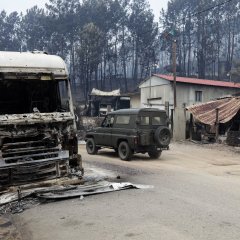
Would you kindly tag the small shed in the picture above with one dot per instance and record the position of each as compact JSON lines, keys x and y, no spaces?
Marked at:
{"x":103,"y":102}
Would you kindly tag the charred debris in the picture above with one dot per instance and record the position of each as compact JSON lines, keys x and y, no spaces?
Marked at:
{"x":99,"y":104}
{"x":216,"y":121}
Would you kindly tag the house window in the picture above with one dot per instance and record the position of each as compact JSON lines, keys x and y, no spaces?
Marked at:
{"x":198,"y":96}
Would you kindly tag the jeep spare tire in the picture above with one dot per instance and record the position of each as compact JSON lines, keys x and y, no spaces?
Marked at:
{"x":91,"y":146}
{"x":163,"y":136}
{"x":124,"y":151}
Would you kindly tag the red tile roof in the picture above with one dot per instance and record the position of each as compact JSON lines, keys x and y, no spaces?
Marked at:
{"x":200,"y":81}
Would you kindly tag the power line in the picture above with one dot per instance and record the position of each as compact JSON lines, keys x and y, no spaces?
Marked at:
{"x":212,"y":7}
{"x":203,"y":11}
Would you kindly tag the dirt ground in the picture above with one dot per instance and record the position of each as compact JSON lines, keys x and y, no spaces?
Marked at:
{"x":8,"y":230}
{"x":196,"y":195}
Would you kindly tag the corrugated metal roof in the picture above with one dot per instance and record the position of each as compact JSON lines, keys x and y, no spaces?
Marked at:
{"x":200,"y":81}
{"x":206,"y":112}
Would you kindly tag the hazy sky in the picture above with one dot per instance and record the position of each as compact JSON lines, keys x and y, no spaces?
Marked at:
{"x":22,"y":5}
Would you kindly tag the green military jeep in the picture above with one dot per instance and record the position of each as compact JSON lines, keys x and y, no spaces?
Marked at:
{"x":129,"y":131}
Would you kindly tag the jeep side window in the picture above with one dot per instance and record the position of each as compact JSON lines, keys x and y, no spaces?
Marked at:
{"x":144,"y":121}
{"x":111,"y":121}
{"x":156,"y":121}
{"x":108,"y":121}
{"x":123,"y":120}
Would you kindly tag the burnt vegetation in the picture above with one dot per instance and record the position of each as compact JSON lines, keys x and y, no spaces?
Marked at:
{"x":112,"y":44}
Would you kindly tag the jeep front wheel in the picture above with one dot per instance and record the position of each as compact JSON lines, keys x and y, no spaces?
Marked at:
{"x":91,"y":146}
{"x":124,"y":151}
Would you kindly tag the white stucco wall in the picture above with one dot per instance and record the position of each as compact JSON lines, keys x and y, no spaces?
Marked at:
{"x":135,"y":101}
{"x":155,"y":92}
{"x":156,"y":88}
{"x":186,"y":93}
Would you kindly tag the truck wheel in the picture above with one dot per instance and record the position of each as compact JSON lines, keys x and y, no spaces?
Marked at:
{"x":154,"y":153}
{"x":124,"y":151}
{"x":91,"y":146}
{"x":163,"y":136}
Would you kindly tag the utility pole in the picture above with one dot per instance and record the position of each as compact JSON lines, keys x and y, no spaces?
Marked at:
{"x":174,"y":60}
{"x":217,"y":124}
{"x":150,"y":89}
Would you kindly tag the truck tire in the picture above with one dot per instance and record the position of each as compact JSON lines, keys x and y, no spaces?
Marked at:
{"x":91,"y":146}
{"x":163,"y":136}
{"x":124,"y":151}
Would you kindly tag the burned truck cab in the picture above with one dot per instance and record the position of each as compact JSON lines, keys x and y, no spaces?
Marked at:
{"x":37,"y":125}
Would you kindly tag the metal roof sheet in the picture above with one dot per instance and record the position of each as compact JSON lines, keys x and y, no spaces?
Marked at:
{"x":200,"y":81}
{"x":206,"y":112}
{"x":96,"y":92}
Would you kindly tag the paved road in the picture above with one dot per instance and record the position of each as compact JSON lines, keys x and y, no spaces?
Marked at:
{"x":196,"y":196}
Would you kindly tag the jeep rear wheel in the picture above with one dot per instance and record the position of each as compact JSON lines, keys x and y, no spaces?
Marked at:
{"x":91,"y":146}
{"x":163,"y":136}
{"x":124,"y":151}
{"x":154,"y":153}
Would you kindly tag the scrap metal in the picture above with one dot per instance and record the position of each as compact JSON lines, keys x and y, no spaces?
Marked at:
{"x":96,"y":92}
{"x":15,"y":202}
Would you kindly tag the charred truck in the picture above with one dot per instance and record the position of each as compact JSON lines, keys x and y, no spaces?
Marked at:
{"x":37,"y":124}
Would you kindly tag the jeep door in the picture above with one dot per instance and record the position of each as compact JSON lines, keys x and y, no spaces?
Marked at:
{"x":104,"y":133}
{"x":123,"y":128}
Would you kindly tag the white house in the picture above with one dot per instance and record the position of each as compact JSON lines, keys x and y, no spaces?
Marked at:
{"x":158,"y":89}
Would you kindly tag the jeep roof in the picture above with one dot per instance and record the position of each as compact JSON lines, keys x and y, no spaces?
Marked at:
{"x":135,"y":111}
